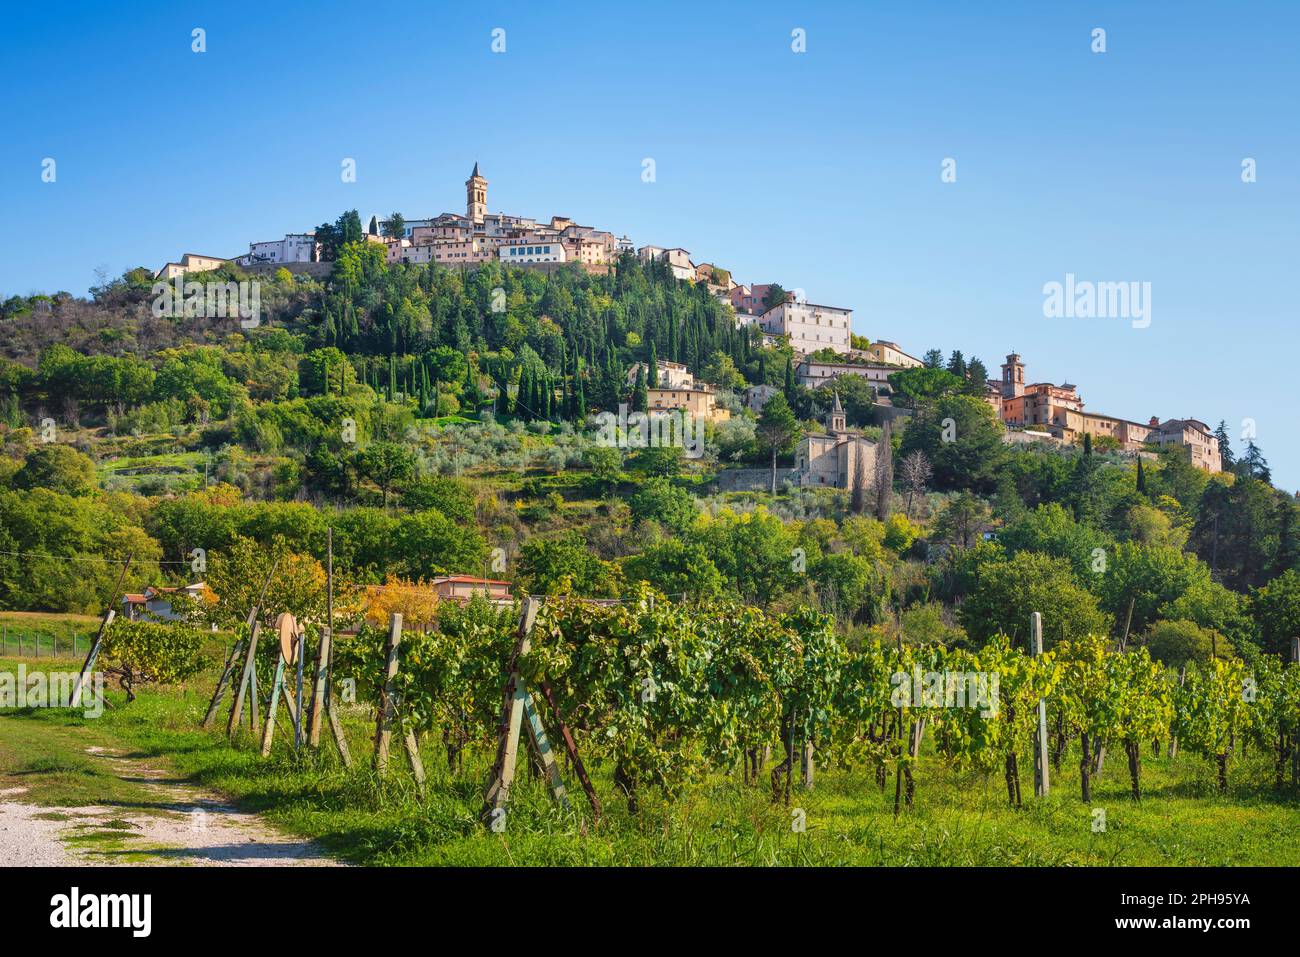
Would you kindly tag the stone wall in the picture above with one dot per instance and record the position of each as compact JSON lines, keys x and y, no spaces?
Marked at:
{"x":752,"y":480}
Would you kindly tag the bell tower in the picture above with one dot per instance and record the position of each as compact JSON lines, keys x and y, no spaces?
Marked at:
{"x":476,"y":196}
{"x":835,"y":420}
{"x":1013,"y":377}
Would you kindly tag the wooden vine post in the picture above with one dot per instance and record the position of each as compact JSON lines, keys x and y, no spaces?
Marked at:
{"x":1041,"y":782}
{"x":92,"y":655}
{"x":247,"y":682}
{"x":235,"y":650}
{"x":323,"y":652}
{"x":387,"y":699}
{"x":290,"y":635}
{"x":519,"y":710}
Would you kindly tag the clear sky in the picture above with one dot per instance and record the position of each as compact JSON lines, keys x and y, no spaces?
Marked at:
{"x":819,"y":170}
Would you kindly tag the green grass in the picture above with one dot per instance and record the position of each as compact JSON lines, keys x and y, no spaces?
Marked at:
{"x":960,"y":818}
{"x":169,"y":462}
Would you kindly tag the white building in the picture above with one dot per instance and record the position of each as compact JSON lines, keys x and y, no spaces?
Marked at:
{"x":672,"y":375}
{"x":517,"y":252}
{"x":294,"y":248}
{"x":815,"y":375}
{"x":809,"y":326}
{"x":678,"y":259}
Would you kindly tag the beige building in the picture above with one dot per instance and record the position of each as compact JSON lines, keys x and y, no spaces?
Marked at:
{"x":190,"y":262}
{"x":836,"y":458}
{"x":700,"y":401}
{"x":1193,"y":434}
{"x":890,"y":354}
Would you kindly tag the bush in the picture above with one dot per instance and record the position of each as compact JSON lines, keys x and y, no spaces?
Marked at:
{"x":1175,"y":643}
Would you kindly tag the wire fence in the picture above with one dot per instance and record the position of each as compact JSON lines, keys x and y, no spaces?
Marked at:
{"x":21,"y":641}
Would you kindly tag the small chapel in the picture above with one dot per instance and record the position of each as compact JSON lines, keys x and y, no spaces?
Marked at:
{"x":836,"y":458}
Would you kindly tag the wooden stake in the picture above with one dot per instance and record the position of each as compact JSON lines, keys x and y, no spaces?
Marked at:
{"x":323,"y":652}
{"x":387,"y":701}
{"x":93,"y":654}
{"x":413,"y":755}
{"x":542,"y":744}
{"x":238,"y":648}
{"x":571,"y":749}
{"x":340,"y":741}
{"x":512,"y":713}
{"x":268,"y":732}
{"x":245,"y":683}
{"x":1042,"y":784}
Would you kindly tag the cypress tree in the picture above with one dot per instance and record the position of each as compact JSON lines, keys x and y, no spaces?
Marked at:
{"x":639,"y":397}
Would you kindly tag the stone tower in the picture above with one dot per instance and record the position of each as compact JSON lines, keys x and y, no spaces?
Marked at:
{"x":835,"y":423}
{"x":1013,"y":377}
{"x":476,"y":196}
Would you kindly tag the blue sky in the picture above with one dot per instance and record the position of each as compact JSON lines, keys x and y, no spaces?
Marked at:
{"x":820,"y":170}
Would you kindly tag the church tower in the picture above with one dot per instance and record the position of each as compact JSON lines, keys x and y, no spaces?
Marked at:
{"x":835,"y":420}
{"x":476,"y":196}
{"x":1013,"y":377}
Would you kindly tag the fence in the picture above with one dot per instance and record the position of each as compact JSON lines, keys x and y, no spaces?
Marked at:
{"x":43,"y":642}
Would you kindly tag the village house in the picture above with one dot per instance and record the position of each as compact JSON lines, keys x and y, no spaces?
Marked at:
{"x":672,"y":375}
{"x":155,"y":602}
{"x":294,"y":248}
{"x":816,"y":375}
{"x":836,"y":458}
{"x":190,"y":262}
{"x":700,"y":401}
{"x":748,"y":300}
{"x":891,"y":354}
{"x":678,"y":259}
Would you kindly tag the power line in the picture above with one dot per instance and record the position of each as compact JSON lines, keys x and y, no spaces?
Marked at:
{"x":80,"y":558}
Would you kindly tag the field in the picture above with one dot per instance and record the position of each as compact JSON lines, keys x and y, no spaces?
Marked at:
{"x":958,"y":819}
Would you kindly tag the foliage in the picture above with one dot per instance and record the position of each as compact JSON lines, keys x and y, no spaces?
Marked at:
{"x":141,"y":652}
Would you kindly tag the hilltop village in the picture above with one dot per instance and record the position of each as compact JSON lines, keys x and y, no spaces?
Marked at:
{"x":824,"y":348}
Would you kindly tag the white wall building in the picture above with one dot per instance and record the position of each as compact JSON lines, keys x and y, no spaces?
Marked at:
{"x":809,"y":326}
{"x":294,"y":248}
{"x":815,"y":375}
{"x":518,"y":252}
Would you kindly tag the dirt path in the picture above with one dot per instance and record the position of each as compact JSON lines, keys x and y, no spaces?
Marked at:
{"x":187,"y":826}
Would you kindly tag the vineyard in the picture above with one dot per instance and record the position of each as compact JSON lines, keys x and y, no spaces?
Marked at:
{"x":669,"y":692}
{"x":700,"y":731}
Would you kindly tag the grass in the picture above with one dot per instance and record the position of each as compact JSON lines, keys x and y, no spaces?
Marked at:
{"x":168,"y":462}
{"x":960,"y":818}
